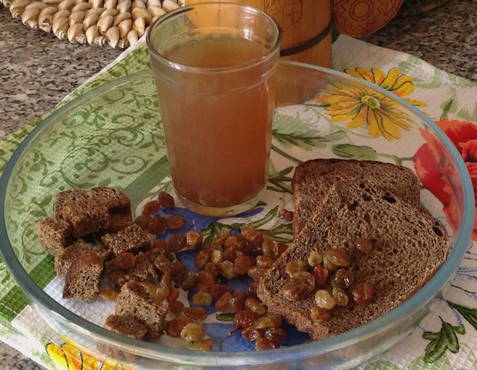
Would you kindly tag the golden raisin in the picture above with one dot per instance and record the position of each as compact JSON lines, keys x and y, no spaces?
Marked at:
{"x":212,"y":269}
{"x":244,"y":319}
{"x":256,"y":273}
{"x":175,"y":222}
{"x":295,"y":266}
{"x":201,"y":258}
{"x":230,"y":254}
{"x":253,"y":236}
{"x":299,"y":286}
{"x":217,"y":290}
{"x":340,"y":296}
{"x":242,"y":264}
{"x":264,"y":261}
{"x":166,"y":200}
{"x":343,"y":278}
{"x":315,"y":258}
{"x":328,"y":265}
{"x":176,"y":242}
{"x":363,"y":293}
{"x":216,"y":256}
{"x":223,"y":303}
{"x":193,"y":331}
{"x":175,"y":326}
{"x":319,"y":315}
{"x":365,"y":245}
{"x":204,"y":280}
{"x":203,"y":345}
{"x":176,"y":307}
{"x":321,"y":275}
{"x":237,"y":301}
{"x":193,"y":239}
{"x":231,"y":241}
{"x":275,"y":334}
{"x":162,"y":293}
{"x":226,"y":269}
{"x":157,"y":225}
{"x":337,"y":257}
{"x":173,"y":294}
{"x":162,"y":263}
{"x":270,"y":248}
{"x":195,"y":313}
{"x":151,"y":208}
{"x":221,"y":237}
{"x":252,"y":289}
{"x":323,"y":299}
{"x":151,"y":288}
{"x":263,"y":344}
{"x":189,"y":280}
{"x":202,"y":298}
{"x":143,"y":221}
{"x":255,"y":305}
{"x":286,"y":215}
{"x":270,"y":320}
{"x":251,"y":334}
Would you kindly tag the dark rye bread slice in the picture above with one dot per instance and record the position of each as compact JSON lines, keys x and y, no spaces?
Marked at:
{"x":54,"y":235}
{"x":126,"y":325}
{"x":72,"y":253}
{"x":127,"y":266}
{"x":83,"y":277}
{"x":130,"y":239}
{"x":134,"y":300}
{"x":84,"y":215}
{"x":312,"y":180}
{"x":411,"y":245}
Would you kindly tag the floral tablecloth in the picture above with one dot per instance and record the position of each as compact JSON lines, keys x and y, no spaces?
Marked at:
{"x":447,"y":337}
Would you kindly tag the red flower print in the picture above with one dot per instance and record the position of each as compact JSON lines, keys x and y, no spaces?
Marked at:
{"x":436,"y":172}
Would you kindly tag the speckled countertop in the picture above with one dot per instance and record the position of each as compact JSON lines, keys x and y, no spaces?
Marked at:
{"x":37,"y":70}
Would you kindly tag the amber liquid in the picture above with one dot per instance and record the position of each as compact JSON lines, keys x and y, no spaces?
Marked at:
{"x":218,"y":123}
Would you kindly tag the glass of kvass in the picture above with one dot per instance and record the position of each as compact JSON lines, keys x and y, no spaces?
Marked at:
{"x":214,"y":65}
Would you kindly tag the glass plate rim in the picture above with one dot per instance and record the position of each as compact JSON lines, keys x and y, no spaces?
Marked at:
{"x":186,"y":356}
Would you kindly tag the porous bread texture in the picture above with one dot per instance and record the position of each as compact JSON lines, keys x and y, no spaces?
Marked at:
{"x":134,"y":300}
{"x":83,"y":277}
{"x":312,"y":180}
{"x":411,"y":246}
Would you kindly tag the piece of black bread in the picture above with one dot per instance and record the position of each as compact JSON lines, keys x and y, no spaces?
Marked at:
{"x":410,"y":247}
{"x":312,"y":180}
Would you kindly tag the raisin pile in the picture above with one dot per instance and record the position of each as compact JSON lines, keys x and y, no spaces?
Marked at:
{"x":230,"y":255}
{"x":330,"y":278}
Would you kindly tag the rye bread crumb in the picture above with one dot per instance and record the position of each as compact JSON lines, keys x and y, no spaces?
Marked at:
{"x":142,"y":268}
{"x":130,"y":239}
{"x":73,"y":252}
{"x":411,"y":246}
{"x":126,"y":325}
{"x":54,"y":235}
{"x":83,"y":277}
{"x":113,"y":199}
{"x":134,"y":300}
{"x":78,"y":209}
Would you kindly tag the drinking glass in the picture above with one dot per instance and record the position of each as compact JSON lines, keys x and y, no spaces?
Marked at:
{"x":214,"y":65}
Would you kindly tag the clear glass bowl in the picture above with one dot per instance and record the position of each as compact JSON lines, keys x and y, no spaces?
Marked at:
{"x":112,"y":136}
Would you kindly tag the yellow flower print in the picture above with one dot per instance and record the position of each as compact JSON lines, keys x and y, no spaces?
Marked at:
{"x":363,"y":106}
{"x":69,"y":357}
